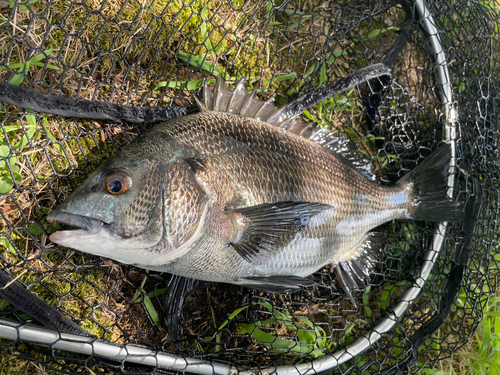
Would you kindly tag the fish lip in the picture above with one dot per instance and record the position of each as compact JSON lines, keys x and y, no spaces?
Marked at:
{"x":88,"y":224}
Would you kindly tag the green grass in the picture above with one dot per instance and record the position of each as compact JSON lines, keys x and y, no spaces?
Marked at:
{"x":9,"y":170}
{"x":481,"y":356}
{"x":307,"y":338}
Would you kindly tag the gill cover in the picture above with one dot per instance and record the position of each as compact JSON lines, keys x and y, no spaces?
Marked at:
{"x":116,"y":223}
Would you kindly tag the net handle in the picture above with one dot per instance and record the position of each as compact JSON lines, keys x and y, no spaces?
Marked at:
{"x":101,"y":348}
{"x":136,"y":354}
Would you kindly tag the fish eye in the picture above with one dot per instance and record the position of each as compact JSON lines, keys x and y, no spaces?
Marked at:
{"x":117,"y":182}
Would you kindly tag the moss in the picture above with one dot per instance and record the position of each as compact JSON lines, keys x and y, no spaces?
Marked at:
{"x":12,"y":365}
{"x":10,"y":254}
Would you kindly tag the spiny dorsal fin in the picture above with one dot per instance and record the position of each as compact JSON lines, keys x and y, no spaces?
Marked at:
{"x":247,"y":105}
{"x":240,"y":102}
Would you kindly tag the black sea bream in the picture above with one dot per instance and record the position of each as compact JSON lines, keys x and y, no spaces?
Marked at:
{"x":229,"y":195}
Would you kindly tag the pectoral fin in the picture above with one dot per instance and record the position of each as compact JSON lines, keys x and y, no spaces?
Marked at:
{"x":276,"y":284}
{"x":270,"y":226}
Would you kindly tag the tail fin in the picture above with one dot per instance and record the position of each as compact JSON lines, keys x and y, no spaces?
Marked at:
{"x":428,"y":187}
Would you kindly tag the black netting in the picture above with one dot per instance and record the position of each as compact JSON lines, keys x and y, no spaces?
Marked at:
{"x":156,"y":53}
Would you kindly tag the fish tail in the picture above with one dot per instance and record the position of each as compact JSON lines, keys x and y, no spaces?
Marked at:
{"x":428,"y":187}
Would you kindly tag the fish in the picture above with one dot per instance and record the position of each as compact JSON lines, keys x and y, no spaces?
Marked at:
{"x":242,"y":193}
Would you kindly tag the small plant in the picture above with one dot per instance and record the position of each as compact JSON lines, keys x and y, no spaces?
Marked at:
{"x":24,"y":8}
{"x":482,"y":355}
{"x":309,"y":339}
{"x":5,"y":242}
{"x":200,"y":61}
{"x":43,"y":226}
{"x":9,"y":169}
{"x":141,"y":296}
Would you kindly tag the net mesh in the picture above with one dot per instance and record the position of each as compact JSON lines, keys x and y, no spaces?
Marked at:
{"x":156,"y":53}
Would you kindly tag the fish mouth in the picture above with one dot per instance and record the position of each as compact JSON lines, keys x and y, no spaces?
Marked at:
{"x":87,"y":226}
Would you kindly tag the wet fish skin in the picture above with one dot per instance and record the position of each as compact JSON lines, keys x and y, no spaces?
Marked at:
{"x":243,"y":163}
{"x":222,"y":197}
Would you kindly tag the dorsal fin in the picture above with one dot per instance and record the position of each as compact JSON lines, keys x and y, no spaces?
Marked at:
{"x":345,"y":149}
{"x":240,"y":102}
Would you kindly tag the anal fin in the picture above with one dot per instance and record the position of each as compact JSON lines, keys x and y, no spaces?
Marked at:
{"x":276,"y":284}
{"x":354,"y":273}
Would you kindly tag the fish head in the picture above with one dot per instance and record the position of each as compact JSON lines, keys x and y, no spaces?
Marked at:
{"x":133,"y":210}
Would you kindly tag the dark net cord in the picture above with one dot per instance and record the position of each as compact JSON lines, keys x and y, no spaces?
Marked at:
{"x":38,"y":309}
{"x":352,"y":80}
{"x":88,"y":109}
